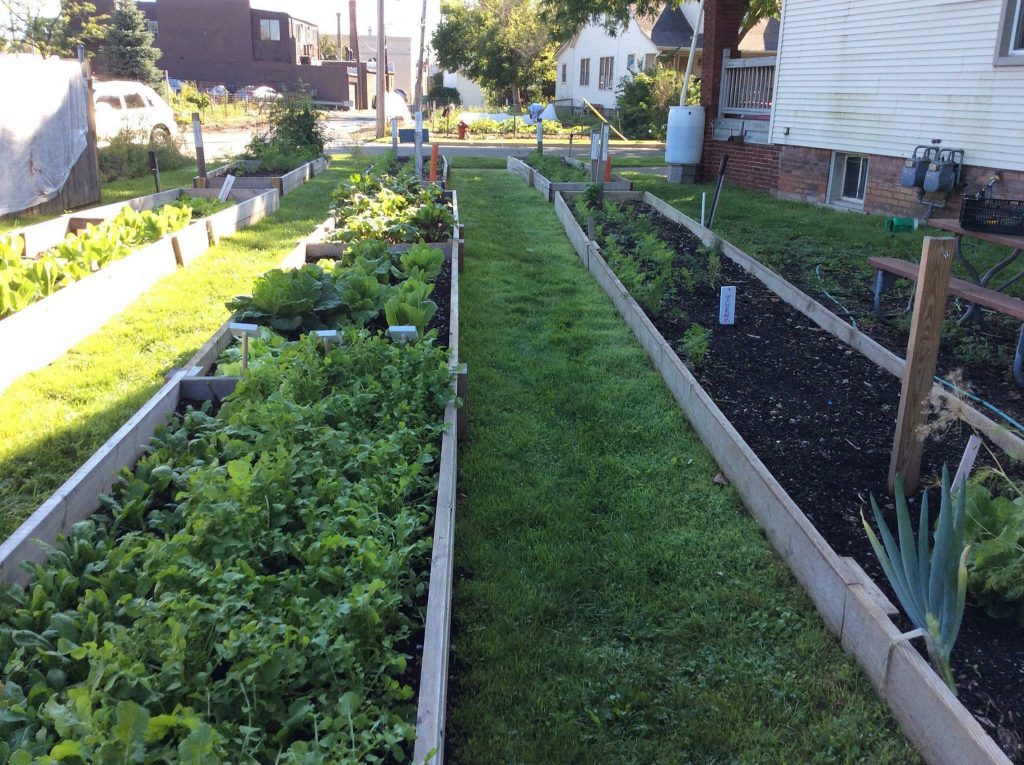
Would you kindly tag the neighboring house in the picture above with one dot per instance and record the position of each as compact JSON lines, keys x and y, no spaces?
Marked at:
{"x":401,"y":62}
{"x":469,"y":90}
{"x":858,"y":86}
{"x":227,"y":42}
{"x":590,"y":65}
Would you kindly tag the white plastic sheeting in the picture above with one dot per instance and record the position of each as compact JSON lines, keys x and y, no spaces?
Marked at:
{"x":43,"y":128}
{"x":470,"y":117}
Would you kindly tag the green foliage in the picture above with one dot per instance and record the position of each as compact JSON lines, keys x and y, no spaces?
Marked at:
{"x":249,"y":591}
{"x":295,"y":301}
{"x":995,"y":530}
{"x":422,"y":262}
{"x":567,"y":17}
{"x":24,"y":281}
{"x":203,"y":207}
{"x":442,"y":96}
{"x":644,"y":98}
{"x":127,"y":52}
{"x":930,"y":580}
{"x":696,"y":340}
{"x":30,"y":25}
{"x":555,"y":169}
{"x":266,"y":347}
{"x":392,"y":208}
{"x":502,"y":44}
{"x":297,"y":134}
{"x":127,"y":156}
{"x":411,"y":305}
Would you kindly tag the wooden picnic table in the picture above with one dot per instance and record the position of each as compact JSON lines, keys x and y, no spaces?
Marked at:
{"x":1015,"y":243}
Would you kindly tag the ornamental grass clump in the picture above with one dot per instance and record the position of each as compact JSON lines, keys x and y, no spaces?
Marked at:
{"x":930,"y":581}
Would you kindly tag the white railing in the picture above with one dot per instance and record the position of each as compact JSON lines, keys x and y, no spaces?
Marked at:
{"x":747,"y":85}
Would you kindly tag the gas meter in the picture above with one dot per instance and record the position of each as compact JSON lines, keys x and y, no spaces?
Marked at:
{"x":914,"y":169}
{"x":944,"y":171}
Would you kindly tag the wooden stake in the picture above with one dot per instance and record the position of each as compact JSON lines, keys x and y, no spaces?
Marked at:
{"x":197,"y":131}
{"x":433,"y":163}
{"x":922,"y":352}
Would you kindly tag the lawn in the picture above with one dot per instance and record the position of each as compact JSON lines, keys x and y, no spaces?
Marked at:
{"x":613,"y":604}
{"x":53,"y":419}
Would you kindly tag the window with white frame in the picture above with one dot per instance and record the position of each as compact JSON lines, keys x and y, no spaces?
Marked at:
{"x":631,"y":61}
{"x":1011,"y":34}
{"x":604,"y":79}
{"x":270,"y":29}
{"x":153,"y":27}
{"x":565,"y":71}
{"x":585,"y":71}
{"x":848,"y":181}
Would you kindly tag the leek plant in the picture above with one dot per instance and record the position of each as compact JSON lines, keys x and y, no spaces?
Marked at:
{"x":930,"y":580}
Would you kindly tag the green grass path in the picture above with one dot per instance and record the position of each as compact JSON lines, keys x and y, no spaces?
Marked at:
{"x":612,"y":604}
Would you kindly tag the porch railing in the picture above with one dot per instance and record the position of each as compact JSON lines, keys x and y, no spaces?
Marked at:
{"x":747,"y":85}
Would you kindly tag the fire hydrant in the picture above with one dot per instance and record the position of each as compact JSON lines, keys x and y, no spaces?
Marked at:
{"x":463,"y":127}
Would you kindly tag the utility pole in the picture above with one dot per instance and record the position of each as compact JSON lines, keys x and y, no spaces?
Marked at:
{"x":382,"y":69}
{"x":353,"y":31}
{"x":340,"y":49}
{"x":418,"y":101}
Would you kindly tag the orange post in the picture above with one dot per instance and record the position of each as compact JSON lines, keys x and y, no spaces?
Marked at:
{"x":433,"y":163}
{"x":608,"y":169}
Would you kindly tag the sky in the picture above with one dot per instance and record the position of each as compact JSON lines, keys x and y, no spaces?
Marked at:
{"x":401,"y":17}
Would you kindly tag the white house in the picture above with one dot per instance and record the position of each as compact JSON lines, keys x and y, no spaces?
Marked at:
{"x":590,"y":65}
{"x":859,"y":85}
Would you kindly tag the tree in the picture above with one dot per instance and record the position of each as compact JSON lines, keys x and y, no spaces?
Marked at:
{"x":328,"y":48}
{"x":128,"y":51}
{"x":30,"y":25}
{"x":503,"y":44}
{"x":567,"y":17}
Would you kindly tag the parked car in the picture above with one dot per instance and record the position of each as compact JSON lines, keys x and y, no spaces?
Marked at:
{"x":261,"y":93}
{"x":121,"y":104}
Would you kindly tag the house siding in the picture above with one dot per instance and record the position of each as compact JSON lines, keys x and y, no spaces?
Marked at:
{"x":881,"y":78}
{"x":594,"y":43}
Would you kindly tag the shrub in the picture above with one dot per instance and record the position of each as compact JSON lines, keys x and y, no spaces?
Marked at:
{"x":484,"y":126}
{"x":443,"y":96}
{"x":127,"y":156}
{"x":297,"y":132}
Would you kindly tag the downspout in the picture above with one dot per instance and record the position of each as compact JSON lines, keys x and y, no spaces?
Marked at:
{"x":693,"y":55}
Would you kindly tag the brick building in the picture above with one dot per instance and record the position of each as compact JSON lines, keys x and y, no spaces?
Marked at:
{"x":226,"y":42}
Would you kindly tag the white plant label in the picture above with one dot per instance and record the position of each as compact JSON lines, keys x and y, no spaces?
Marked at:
{"x":197,"y":133}
{"x":226,"y":188}
{"x":419,"y":122}
{"x":727,"y":306}
{"x":540,"y":131}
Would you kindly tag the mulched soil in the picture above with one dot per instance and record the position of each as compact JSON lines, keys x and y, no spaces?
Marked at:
{"x":821,"y":417}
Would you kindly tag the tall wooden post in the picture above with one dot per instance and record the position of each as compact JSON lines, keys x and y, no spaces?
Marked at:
{"x":922,"y":353}
{"x":197,"y":133}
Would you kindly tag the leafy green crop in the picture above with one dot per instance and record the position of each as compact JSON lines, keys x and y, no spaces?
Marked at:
{"x":203,"y":207}
{"x":393,"y":208}
{"x":251,"y":591}
{"x":411,"y":305}
{"x":555,"y":169}
{"x":24,"y":281}
{"x":301,"y":299}
{"x":995,"y":529}
{"x":422,"y":262}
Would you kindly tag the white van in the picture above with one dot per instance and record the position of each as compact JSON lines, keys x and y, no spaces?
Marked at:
{"x":122,"y":104}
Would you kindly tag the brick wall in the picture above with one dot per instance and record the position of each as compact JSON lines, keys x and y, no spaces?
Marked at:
{"x":803,"y":175}
{"x":751,"y":165}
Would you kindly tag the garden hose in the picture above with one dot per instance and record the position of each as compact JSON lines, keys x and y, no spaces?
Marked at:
{"x":825,"y":292}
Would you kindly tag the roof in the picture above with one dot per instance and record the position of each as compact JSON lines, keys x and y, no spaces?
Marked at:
{"x":763,"y":36}
{"x":669,"y":28}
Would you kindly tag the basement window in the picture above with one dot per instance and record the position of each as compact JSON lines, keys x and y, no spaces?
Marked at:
{"x":848,"y":180}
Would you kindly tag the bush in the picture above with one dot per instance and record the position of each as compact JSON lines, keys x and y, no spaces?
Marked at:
{"x":644,"y":99}
{"x":127,"y":156}
{"x":443,"y":96}
{"x":297,"y":133}
{"x":485,"y":126}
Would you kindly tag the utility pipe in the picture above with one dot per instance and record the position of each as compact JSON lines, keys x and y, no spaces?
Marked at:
{"x":693,"y":55}
{"x":601,"y":117}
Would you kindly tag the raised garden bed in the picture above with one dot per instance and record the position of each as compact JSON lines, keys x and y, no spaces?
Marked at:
{"x":549,"y":188}
{"x":42,"y":331}
{"x":849,"y":602}
{"x":77,"y":499}
{"x":320,"y":249}
{"x":285,"y":183}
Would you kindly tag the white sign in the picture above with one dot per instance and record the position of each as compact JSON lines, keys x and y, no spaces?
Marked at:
{"x":540,"y":131}
{"x":197,"y":132}
{"x":727,"y":306}
{"x":419,"y":122}
{"x":226,"y":188}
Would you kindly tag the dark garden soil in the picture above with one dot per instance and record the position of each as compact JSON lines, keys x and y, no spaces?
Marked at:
{"x":821,"y":417}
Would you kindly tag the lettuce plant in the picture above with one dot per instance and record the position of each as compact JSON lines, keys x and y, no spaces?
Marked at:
{"x":298,"y":300}
{"x":411,"y":305}
{"x":930,"y":580}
